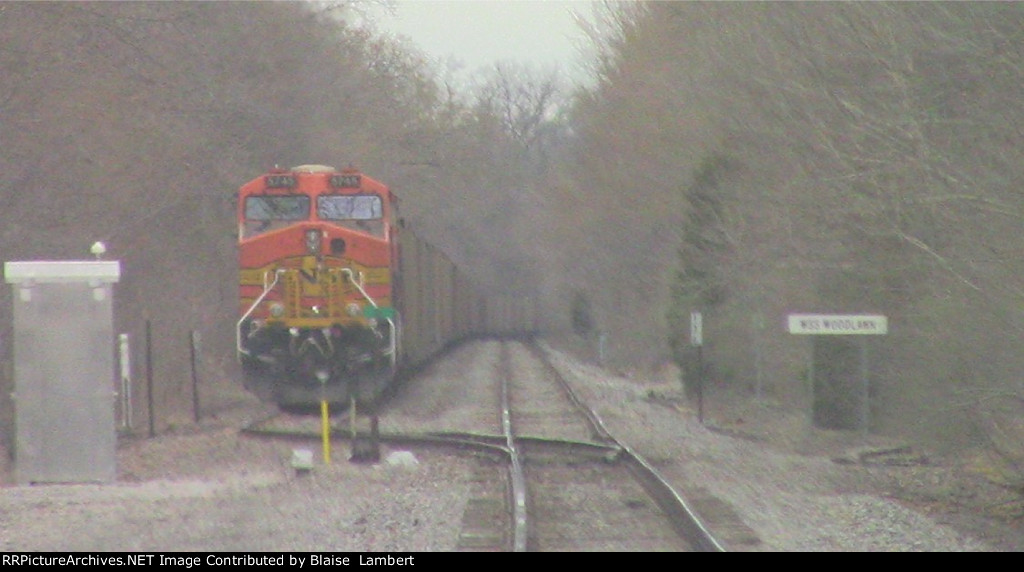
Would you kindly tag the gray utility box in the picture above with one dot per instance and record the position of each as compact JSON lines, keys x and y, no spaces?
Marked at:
{"x":64,"y":396}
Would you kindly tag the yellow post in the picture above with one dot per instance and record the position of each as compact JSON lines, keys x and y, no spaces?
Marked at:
{"x":325,"y":429}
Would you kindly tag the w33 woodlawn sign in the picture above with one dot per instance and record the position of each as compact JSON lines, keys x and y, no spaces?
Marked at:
{"x":838,"y":324}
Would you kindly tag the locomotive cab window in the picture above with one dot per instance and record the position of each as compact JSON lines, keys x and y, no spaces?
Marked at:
{"x":360,"y":212}
{"x":268,"y":212}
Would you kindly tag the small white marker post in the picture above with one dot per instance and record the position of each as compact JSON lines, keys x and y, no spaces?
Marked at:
{"x":697,"y":340}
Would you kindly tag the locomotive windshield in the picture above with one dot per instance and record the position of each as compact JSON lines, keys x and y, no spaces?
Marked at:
{"x":348,"y":207}
{"x":359,"y":212}
{"x":274,"y":207}
{"x":267,"y":212}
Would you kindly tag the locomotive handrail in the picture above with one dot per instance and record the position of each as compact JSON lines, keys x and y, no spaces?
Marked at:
{"x":266,"y":290}
{"x":392,"y":345}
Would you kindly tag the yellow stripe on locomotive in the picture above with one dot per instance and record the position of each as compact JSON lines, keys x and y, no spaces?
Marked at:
{"x":311,"y":296}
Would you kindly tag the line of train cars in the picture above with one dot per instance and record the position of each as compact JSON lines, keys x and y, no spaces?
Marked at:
{"x":338,"y":297}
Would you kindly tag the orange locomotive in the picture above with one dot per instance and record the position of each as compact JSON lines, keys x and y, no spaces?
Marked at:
{"x":318,"y":252}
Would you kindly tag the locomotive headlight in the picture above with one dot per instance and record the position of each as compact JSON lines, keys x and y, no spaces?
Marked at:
{"x":353,"y":309}
{"x":313,"y":241}
{"x":277,"y":309}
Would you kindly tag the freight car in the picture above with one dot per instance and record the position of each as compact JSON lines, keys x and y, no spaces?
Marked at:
{"x":337,"y":297}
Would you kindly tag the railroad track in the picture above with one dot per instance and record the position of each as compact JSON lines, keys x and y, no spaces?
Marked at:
{"x":625,"y":504}
{"x":549,"y":476}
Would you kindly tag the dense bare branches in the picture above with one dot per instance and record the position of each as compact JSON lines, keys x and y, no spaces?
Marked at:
{"x":879,"y":158}
{"x":520,"y":100}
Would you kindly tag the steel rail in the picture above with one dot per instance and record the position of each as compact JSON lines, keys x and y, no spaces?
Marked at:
{"x":520,"y":523}
{"x":674,"y":504}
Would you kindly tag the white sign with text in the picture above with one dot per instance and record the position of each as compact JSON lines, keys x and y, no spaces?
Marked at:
{"x":838,"y":324}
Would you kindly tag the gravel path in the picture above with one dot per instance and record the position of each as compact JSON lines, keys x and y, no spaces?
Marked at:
{"x":209,"y":488}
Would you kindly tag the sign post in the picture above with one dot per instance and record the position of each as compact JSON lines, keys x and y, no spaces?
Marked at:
{"x":844,"y":325}
{"x":697,"y":340}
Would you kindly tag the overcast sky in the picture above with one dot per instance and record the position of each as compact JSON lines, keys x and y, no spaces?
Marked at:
{"x":478,"y":33}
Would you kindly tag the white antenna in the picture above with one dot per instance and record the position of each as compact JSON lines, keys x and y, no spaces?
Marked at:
{"x":98,"y":249}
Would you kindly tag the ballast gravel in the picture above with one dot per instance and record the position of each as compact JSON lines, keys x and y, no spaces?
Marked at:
{"x":210,"y":488}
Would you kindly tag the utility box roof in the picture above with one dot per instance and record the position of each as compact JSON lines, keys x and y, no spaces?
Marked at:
{"x":46,"y":271}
